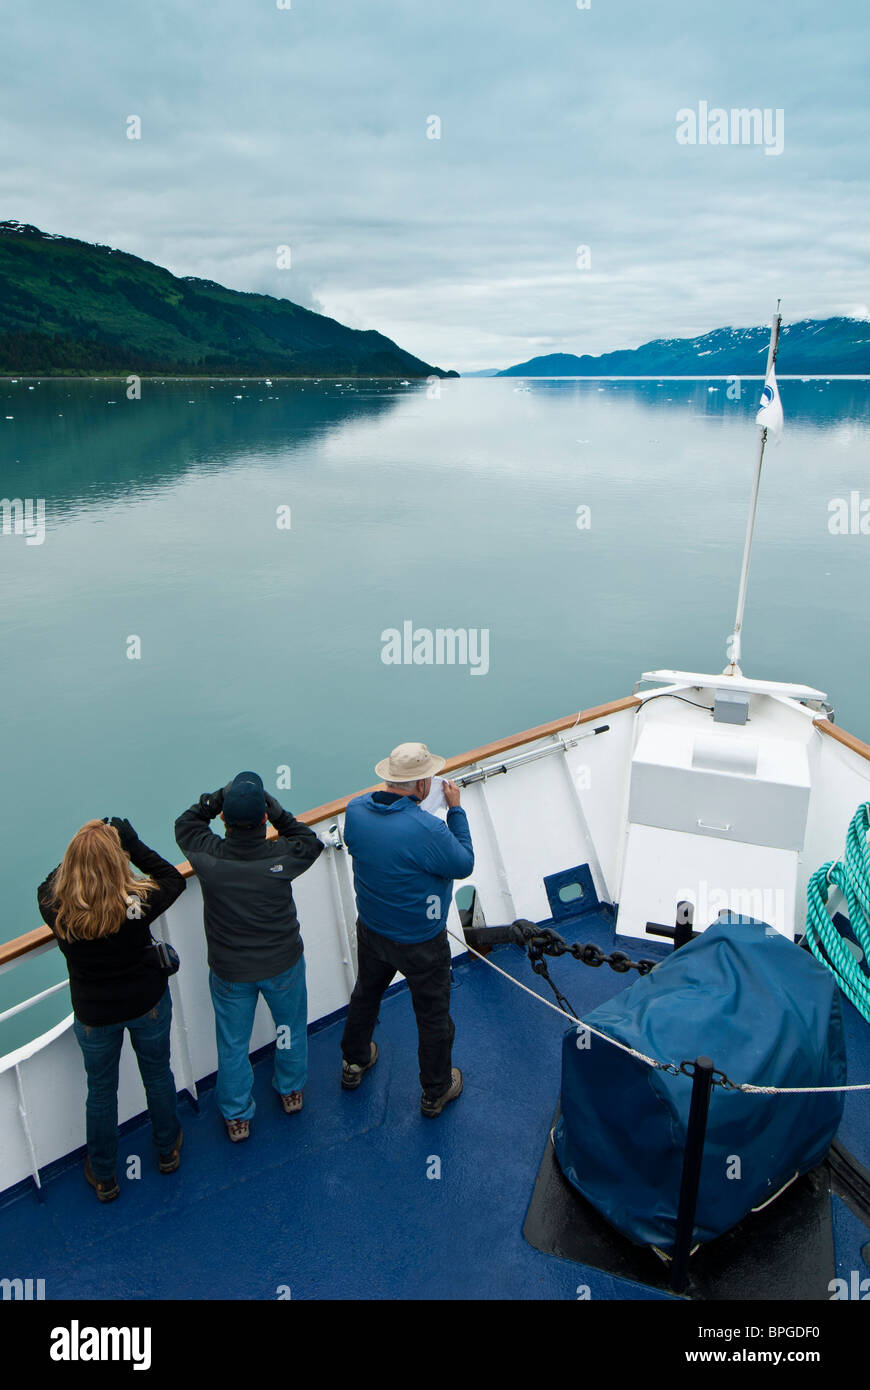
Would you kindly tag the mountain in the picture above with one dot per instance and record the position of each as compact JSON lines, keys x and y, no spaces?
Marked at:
{"x":812,"y":347}
{"x":68,"y":307}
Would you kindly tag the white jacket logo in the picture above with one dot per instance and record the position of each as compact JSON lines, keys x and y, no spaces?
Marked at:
{"x":276,"y":869}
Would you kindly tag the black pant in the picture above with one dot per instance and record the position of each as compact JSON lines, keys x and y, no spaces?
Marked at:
{"x":426,"y":967}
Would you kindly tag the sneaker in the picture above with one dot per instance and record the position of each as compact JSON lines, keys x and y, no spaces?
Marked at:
{"x":434,"y":1107}
{"x":238,"y":1129}
{"x":107,"y":1189}
{"x":167,"y":1163}
{"x":293,"y":1103}
{"x":352,"y":1074}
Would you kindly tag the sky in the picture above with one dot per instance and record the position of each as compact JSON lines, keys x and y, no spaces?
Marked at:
{"x":312,"y":127}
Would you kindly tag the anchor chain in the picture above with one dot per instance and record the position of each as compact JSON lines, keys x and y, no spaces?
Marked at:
{"x":539,"y":942}
{"x":546,"y":942}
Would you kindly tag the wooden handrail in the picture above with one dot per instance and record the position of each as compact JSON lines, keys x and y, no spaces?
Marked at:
{"x":42,"y":936}
{"x":23,"y":945}
{"x":857,"y":745}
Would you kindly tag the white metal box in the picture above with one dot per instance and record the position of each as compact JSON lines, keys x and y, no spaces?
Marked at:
{"x":734,"y":786}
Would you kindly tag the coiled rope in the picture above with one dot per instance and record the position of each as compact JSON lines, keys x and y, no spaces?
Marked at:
{"x":851,"y":874}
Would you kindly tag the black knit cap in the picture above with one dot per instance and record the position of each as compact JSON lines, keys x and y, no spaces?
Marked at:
{"x":244,"y":800}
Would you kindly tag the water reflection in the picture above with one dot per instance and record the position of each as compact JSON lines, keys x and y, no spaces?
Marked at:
{"x":83,"y":443}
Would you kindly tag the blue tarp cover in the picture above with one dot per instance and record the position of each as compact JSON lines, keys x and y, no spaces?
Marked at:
{"x":765,"y":1012}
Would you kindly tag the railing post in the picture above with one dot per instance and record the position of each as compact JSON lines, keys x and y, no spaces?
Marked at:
{"x":693,"y":1154}
{"x":345,"y":914}
{"x":683,"y":928}
{"x":28,"y":1135}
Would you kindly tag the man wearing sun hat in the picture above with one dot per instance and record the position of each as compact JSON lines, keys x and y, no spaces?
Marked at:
{"x":404,"y":864}
{"x":254,"y":944}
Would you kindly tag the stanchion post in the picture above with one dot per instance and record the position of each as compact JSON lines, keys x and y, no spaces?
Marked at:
{"x":693,"y":1154}
{"x":683,"y":928}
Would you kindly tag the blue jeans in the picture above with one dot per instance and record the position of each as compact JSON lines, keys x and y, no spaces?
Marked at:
{"x":235,"y":1002}
{"x":101,"y":1048}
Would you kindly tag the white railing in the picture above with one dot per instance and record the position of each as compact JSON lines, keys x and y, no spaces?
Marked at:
{"x":547,"y":814}
{"x":524,"y":827}
{"x":34,"y":999}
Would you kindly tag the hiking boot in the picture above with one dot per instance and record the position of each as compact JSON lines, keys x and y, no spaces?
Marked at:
{"x":434,"y":1107}
{"x":238,"y":1129}
{"x":167,"y":1163}
{"x":293,"y":1103}
{"x":107,"y":1189}
{"x":352,"y":1074}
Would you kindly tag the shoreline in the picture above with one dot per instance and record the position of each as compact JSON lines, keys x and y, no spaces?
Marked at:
{"x":274,"y":377}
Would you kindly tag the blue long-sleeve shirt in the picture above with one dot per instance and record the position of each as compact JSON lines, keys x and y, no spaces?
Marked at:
{"x":404,"y":863}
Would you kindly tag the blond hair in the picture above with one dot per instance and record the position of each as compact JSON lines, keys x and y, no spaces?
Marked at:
{"x":95,"y":885}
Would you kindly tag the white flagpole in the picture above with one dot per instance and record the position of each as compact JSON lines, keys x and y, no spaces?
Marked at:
{"x":733,"y":668}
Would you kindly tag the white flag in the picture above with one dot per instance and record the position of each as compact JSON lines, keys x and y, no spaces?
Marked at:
{"x":770,"y":411}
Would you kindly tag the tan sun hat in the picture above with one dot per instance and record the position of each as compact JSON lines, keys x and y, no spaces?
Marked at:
{"x":409,"y":762}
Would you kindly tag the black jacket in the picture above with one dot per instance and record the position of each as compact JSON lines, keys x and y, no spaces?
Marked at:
{"x":116,"y":978}
{"x":250,"y":917}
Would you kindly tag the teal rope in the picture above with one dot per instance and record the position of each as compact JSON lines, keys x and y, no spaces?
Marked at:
{"x":852,"y":877}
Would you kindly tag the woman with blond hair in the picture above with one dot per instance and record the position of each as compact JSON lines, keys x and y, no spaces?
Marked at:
{"x":101,"y":913}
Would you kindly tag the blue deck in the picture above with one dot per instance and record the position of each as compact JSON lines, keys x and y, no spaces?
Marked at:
{"x":335,"y":1202}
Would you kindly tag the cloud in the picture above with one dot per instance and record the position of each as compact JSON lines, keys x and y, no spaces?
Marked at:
{"x":308,"y":127}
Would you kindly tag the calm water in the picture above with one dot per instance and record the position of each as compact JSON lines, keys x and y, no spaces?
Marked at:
{"x":262,"y":647}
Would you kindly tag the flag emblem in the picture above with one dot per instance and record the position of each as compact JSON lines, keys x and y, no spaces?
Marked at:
{"x":770,"y":409}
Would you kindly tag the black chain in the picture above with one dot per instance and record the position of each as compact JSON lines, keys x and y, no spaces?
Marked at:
{"x":544,"y":941}
{"x":540,"y":968}
{"x":718,"y":1078}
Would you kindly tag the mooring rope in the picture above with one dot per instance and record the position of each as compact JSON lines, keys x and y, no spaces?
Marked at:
{"x":650,"y":1061}
{"x":852,"y":877}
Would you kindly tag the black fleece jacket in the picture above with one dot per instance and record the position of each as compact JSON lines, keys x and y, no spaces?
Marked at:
{"x":250,"y":917}
{"x":116,"y":978}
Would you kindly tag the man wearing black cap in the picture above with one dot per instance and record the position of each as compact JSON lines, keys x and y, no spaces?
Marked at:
{"x":254,"y":944}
